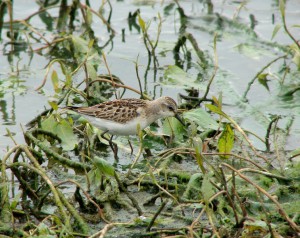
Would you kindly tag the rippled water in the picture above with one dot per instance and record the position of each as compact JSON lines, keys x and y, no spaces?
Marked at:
{"x":243,"y":50}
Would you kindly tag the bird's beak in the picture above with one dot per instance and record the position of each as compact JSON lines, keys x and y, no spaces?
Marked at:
{"x":179,"y":119}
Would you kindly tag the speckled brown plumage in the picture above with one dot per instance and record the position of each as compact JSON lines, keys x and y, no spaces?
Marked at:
{"x":120,"y":111}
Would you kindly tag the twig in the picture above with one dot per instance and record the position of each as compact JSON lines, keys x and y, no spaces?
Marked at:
{"x":229,"y":197}
{"x":258,"y":73}
{"x":87,"y":196}
{"x":138,"y":76}
{"x":55,"y":155}
{"x":110,"y":75}
{"x":106,"y":228}
{"x":39,"y":170}
{"x":100,"y":16}
{"x":133,"y":200}
{"x":156,"y":215}
{"x":282,"y":10}
{"x":292,"y":224}
{"x":119,"y":86}
{"x":267,"y":142}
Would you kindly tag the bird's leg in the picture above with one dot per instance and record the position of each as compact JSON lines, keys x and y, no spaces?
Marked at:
{"x":114,"y":148}
{"x":130,"y":147}
{"x":112,"y":145}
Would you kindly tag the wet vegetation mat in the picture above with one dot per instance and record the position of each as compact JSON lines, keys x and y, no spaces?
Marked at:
{"x":228,"y":172}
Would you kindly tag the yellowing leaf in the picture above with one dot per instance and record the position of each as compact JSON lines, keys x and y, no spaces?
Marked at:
{"x":53,"y":105}
{"x":142,"y":23}
{"x":55,"y":82}
{"x":226,"y":141}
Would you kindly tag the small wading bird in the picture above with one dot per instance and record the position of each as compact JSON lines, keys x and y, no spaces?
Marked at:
{"x":122,"y":116}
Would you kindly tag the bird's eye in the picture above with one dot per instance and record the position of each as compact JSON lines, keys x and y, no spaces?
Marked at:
{"x":170,"y":108}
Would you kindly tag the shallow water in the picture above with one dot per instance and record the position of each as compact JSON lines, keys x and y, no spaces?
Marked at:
{"x":240,"y":57}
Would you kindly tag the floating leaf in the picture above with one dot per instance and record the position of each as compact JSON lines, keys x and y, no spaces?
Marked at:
{"x":104,"y":166}
{"x":251,"y":50}
{"x":203,"y":119}
{"x":226,"y":141}
{"x":176,"y":77}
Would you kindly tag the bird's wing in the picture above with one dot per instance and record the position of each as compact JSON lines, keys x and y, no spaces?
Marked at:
{"x":118,"y":110}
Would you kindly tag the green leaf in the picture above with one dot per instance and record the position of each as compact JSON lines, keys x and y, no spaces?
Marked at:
{"x":198,"y":145}
{"x":275,"y":31}
{"x":95,"y":176}
{"x":66,"y":134}
{"x":63,"y":129}
{"x":296,"y":59}
{"x":14,"y":203}
{"x":251,"y":50}
{"x":55,"y":82}
{"x":80,"y":44}
{"x":91,"y":43}
{"x":203,"y":119}
{"x":91,"y":70}
{"x":295,"y":152}
{"x":171,"y":126}
{"x":89,"y":17}
{"x":193,"y":188}
{"x":68,"y":81}
{"x":216,"y":109}
{"x":53,"y":105}
{"x":103,"y":166}
{"x":178,"y":78}
{"x":262,"y":79}
{"x":226,"y":141}
{"x":282,"y":7}
{"x":207,"y":188}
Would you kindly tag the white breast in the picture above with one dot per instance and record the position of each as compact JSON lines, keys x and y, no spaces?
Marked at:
{"x":129,"y":128}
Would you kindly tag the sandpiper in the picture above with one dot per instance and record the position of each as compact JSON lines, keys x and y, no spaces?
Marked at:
{"x":122,"y":116}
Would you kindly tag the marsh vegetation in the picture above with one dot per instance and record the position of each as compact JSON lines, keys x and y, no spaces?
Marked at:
{"x":231,"y":171}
